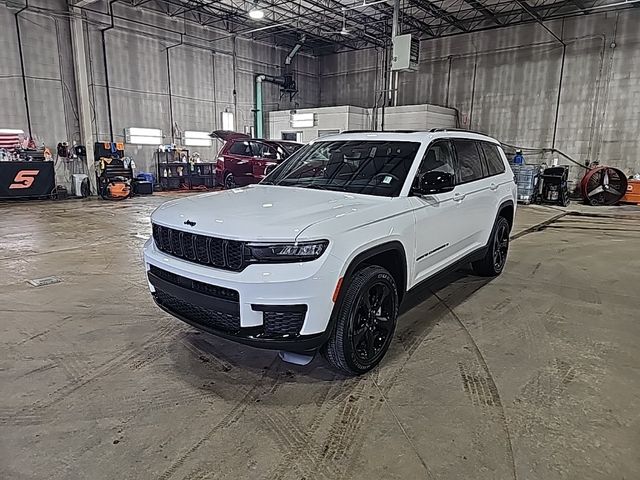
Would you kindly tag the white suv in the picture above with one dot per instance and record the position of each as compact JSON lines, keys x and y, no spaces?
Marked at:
{"x":321,"y":253}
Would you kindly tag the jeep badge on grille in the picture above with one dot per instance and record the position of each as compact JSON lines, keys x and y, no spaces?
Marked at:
{"x":190,"y":223}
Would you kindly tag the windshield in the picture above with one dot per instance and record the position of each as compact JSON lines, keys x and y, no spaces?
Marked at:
{"x":355,"y":166}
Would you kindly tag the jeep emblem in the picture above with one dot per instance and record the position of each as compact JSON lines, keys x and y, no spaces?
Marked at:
{"x":190,"y":223}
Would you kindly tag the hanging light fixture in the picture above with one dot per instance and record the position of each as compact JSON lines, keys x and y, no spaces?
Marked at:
{"x":344,"y":30}
{"x":256,"y":12}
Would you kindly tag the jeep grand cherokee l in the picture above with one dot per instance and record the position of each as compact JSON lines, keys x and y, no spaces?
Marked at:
{"x":321,"y":253}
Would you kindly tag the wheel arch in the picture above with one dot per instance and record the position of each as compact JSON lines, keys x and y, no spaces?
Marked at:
{"x":390,"y":255}
{"x":507,"y":210}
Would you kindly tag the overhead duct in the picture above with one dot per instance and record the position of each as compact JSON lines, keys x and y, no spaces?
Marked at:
{"x":294,"y":50}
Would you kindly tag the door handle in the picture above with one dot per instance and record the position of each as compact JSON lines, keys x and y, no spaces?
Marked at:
{"x":458,"y":197}
{"x":493,"y":186}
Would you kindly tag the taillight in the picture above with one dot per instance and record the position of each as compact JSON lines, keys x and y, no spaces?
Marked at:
{"x":220,"y":163}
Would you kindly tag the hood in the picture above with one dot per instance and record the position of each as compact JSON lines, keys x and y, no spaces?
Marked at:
{"x":226,"y":135}
{"x":260,"y":212}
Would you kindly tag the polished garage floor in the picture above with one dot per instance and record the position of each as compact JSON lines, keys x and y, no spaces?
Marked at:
{"x":534,"y":375}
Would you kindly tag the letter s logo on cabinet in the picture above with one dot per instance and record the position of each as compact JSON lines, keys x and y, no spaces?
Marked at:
{"x":24,"y":179}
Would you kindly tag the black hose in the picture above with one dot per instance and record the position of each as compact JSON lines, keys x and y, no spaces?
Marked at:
{"x":22,"y":67}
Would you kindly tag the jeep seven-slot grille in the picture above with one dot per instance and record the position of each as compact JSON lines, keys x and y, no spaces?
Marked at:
{"x":217,"y":252}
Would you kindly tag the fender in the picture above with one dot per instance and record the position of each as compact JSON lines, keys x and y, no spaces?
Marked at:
{"x":506,"y":203}
{"x":358,"y":260}
{"x":394,"y":245}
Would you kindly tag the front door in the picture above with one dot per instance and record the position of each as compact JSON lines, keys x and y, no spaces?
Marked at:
{"x":438,"y":230}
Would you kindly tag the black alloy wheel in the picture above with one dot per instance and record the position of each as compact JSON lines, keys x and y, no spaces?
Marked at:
{"x":500,"y":246}
{"x":229,"y":181}
{"x":492,"y":264}
{"x":365,"y":321}
{"x":370,"y":327}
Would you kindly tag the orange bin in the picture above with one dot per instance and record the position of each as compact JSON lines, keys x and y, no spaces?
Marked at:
{"x":633,"y":192}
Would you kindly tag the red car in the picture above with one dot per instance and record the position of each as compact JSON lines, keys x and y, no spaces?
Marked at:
{"x":244,"y":160}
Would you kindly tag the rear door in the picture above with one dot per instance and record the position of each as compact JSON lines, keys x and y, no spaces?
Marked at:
{"x":266,"y":158}
{"x":237,"y":160}
{"x":475,"y":195}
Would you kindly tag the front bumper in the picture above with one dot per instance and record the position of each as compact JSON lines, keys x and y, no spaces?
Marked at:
{"x":258,"y":306}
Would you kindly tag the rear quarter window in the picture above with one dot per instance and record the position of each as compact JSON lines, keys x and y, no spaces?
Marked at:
{"x":240,"y":148}
{"x":469,"y":161}
{"x":494,"y":160}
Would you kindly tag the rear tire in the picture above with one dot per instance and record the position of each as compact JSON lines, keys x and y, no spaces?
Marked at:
{"x":496,"y":257}
{"x":229,"y":181}
{"x":365,"y":322}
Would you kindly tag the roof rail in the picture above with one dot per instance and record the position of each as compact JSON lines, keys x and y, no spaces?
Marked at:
{"x":433,"y":130}
{"x":381,"y":131}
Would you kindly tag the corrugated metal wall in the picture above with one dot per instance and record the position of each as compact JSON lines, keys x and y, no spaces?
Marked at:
{"x":203,"y":76}
{"x":506,"y":82}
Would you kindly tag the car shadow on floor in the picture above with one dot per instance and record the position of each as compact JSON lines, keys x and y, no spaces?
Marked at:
{"x":222,"y":367}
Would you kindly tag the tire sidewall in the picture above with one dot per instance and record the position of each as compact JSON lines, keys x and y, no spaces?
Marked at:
{"x":346,"y":318}
{"x":501,"y":220}
{"x":227,"y":177}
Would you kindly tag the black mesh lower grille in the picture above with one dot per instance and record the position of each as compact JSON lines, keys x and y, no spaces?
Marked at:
{"x":207,"y":289}
{"x":217,"y":252}
{"x":226,"y":322}
{"x":283,"y":323}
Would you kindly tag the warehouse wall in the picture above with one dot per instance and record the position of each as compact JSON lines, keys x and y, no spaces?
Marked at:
{"x":50,"y":84}
{"x":506,"y":82}
{"x":203,"y":73}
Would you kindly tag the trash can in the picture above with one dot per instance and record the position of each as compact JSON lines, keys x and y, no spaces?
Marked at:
{"x":77,"y":180}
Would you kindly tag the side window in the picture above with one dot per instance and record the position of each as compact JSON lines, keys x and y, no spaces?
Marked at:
{"x":268,"y":152}
{"x":494,"y":160}
{"x":469,"y":161}
{"x":439,"y":158}
{"x":241,"y":148}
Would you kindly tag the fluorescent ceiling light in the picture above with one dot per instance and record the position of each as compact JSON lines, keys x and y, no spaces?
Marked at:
{"x":302,"y":120}
{"x":143,"y":136}
{"x":227,"y":121}
{"x":197,"y":142}
{"x":196,"y":134}
{"x":194,"y":138}
{"x":143,"y":140}
{"x":145,"y":132}
{"x":11,"y":131}
{"x":256,"y":13}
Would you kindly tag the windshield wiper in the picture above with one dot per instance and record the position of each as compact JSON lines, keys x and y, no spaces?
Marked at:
{"x":316,"y":186}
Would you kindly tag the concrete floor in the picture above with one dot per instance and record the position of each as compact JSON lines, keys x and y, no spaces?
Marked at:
{"x":534,"y":375}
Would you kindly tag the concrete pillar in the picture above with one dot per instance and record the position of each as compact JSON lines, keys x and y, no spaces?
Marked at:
{"x":82,"y":90}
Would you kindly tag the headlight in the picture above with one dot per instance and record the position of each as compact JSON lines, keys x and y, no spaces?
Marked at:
{"x":286,"y":252}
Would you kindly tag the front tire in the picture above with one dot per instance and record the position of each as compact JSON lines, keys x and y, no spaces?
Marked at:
{"x":496,"y":257}
{"x":365,"y":323}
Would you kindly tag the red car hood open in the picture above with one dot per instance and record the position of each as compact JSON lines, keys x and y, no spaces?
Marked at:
{"x":226,"y":135}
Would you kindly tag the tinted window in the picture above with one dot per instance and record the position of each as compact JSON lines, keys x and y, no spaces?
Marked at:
{"x":267,"y":151}
{"x":369,"y":167}
{"x":469,"y":163}
{"x":439,"y":158}
{"x":494,"y":160}
{"x":241,"y":148}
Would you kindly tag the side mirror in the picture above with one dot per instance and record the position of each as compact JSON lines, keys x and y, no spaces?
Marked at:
{"x":436,"y":182}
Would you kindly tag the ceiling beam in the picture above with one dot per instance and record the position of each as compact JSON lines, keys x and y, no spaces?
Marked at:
{"x":527,"y":8}
{"x":439,"y":13}
{"x":82,"y":3}
{"x":486,"y":13}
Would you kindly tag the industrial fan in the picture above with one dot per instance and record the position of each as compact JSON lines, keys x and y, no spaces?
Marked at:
{"x":603,"y":186}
